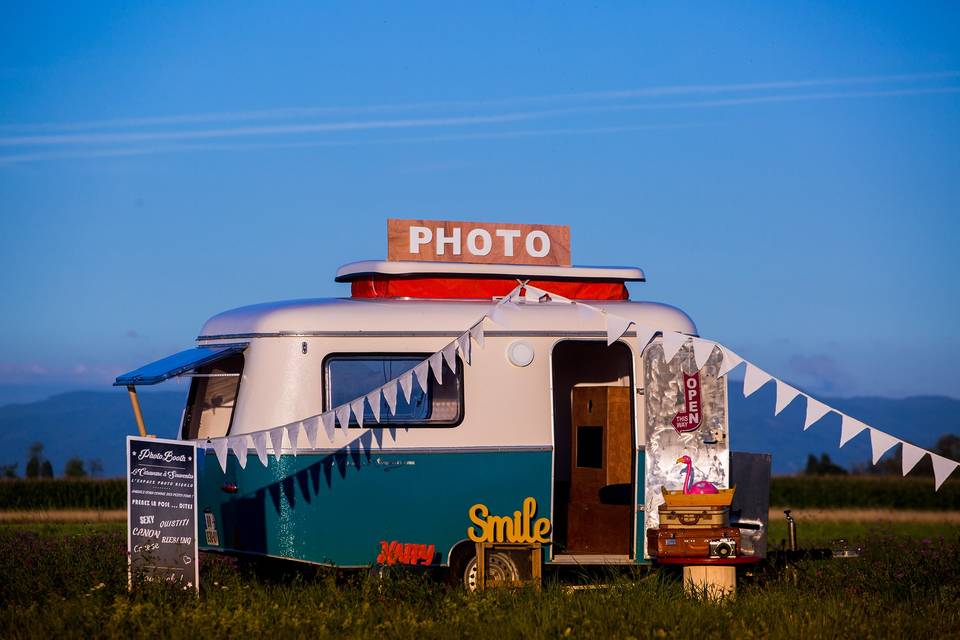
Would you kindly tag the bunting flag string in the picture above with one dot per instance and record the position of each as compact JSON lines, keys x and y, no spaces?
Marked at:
{"x":615,"y":328}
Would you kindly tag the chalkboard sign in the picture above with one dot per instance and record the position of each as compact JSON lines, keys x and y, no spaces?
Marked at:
{"x":161,"y":510}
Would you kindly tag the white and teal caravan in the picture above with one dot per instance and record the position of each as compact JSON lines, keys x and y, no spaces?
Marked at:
{"x":539,"y":405}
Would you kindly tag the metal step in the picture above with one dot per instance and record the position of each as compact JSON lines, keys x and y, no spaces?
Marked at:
{"x":594,"y":559}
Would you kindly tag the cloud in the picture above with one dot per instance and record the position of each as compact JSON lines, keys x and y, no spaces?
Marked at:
{"x":132,"y":333}
{"x":36,"y":373}
{"x":820,"y":372}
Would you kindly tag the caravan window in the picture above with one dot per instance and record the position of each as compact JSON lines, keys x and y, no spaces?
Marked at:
{"x":212,"y":397}
{"x":346,"y":377}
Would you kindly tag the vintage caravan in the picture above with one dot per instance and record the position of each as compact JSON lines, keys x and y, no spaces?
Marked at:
{"x":536,"y":427}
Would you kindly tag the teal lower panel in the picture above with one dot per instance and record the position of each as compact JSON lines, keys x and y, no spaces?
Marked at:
{"x":641,"y":515}
{"x":337,"y":508}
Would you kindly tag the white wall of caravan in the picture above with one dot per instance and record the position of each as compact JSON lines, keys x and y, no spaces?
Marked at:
{"x":504,"y":405}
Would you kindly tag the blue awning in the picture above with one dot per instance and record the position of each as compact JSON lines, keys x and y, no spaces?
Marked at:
{"x":176,"y":364}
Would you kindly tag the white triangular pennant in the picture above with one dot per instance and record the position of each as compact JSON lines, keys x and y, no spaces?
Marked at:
{"x":450,"y":356}
{"x":463,"y":342}
{"x":373,"y":399}
{"x":357,"y":407}
{"x":753,"y":379}
{"x":476,"y":332}
{"x":880,"y":443}
{"x":702,"y":350}
{"x":406,"y":383}
{"x":942,"y":468}
{"x":436,"y":365}
{"x":239,"y":445}
{"x":343,"y":417}
{"x":815,"y":411}
{"x":785,"y":395}
{"x":672,"y":341}
{"x":260,"y":444}
{"x":910,"y":455}
{"x":616,"y":327}
{"x":293,"y":434}
{"x":420,"y":372}
{"x":220,"y":448}
{"x":644,"y":336}
{"x":329,"y":423}
{"x":849,"y":427}
{"x":498,"y":315}
{"x":276,"y":441}
{"x":730,"y":361}
{"x":311,"y":426}
{"x":389,"y":392}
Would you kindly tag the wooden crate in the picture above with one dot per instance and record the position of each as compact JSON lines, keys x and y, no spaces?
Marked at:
{"x":527,"y":558}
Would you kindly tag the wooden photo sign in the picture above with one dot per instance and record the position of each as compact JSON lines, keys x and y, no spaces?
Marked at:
{"x":478,"y":242}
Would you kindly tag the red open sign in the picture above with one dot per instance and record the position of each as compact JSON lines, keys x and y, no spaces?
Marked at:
{"x":689,"y":419}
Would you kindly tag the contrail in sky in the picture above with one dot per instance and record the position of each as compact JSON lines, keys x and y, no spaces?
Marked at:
{"x":179,"y":148}
{"x":647,"y":92}
{"x":406,"y":123}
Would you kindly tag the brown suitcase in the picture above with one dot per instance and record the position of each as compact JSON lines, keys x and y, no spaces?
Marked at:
{"x":694,"y":517}
{"x":719,"y":542}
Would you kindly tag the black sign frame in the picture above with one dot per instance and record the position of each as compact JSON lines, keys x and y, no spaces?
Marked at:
{"x":162,"y":496}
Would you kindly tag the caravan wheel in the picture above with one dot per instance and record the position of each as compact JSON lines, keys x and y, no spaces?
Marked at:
{"x":502,"y":569}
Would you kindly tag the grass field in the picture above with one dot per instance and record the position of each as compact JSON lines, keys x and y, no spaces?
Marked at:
{"x":69,"y":580}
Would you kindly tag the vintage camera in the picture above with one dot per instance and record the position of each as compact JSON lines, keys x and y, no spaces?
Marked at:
{"x":723,"y":548}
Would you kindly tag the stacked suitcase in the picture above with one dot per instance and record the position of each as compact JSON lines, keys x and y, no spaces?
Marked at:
{"x":694,"y":532}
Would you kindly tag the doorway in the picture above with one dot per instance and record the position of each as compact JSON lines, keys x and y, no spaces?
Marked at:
{"x":593,"y":408}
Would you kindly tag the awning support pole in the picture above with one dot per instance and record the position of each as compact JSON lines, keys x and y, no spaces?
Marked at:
{"x":135,"y":403}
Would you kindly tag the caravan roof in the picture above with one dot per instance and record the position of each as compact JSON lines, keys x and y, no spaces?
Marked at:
{"x":354,"y":270}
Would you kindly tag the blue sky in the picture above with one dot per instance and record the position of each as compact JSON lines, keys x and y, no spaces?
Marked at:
{"x":788,"y":175}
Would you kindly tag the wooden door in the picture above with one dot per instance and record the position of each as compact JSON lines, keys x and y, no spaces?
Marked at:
{"x":601,"y":472}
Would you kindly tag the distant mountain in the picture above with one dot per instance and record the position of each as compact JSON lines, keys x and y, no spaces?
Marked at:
{"x":753,"y":427}
{"x":93,"y":424}
{"x":87,"y":424}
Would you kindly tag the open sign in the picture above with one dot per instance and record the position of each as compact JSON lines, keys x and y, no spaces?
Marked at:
{"x":478,"y":242}
{"x":690,"y":418}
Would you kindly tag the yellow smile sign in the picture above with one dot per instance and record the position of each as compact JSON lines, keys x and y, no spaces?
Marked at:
{"x":521,"y":527}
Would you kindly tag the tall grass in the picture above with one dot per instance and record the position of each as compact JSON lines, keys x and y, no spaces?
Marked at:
{"x":74,"y":585}
{"x":796,"y":492}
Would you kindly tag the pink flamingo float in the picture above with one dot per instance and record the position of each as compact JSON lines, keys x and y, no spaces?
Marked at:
{"x":701,"y":493}
{"x":691,"y":487}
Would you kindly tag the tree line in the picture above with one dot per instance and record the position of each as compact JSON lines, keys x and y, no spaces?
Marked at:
{"x":947,"y":446}
{"x":38,"y":466}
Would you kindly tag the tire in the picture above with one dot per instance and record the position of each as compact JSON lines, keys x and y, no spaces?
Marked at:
{"x":502,"y":569}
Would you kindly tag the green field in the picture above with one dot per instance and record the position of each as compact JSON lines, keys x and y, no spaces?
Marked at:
{"x":70,"y":581}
